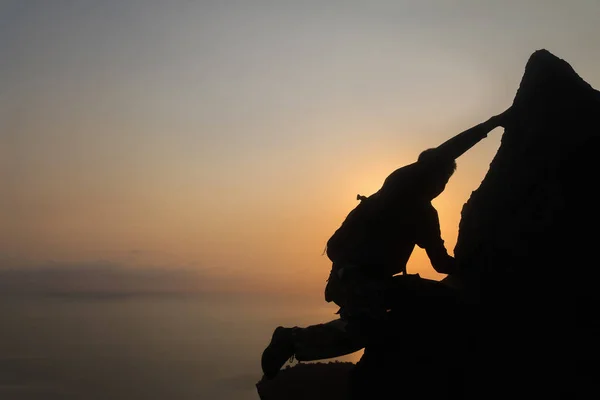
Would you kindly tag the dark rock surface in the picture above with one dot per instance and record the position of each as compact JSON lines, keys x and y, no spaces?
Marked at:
{"x":313,"y":381}
{"x":527,"y":240}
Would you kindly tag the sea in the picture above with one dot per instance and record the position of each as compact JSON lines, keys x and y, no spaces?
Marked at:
{"x":175,"y":347}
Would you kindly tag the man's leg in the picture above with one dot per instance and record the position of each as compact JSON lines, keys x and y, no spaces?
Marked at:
{"x":329,"y":340}
{"x":315,"y":342}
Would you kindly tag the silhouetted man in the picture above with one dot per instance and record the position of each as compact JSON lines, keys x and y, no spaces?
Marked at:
{"x":372,"y":246}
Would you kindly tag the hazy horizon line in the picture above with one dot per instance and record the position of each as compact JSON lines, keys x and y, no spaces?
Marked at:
{"x":111,"y":280}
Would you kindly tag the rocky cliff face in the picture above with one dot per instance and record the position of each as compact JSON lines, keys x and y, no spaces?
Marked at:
{"x":528,"y":238}
{"x":534,"y":205}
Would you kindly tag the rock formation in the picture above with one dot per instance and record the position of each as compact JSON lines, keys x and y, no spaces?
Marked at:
{"x":527,"y":239}
{"x":315,"y":381}
{"x":526,"y":246}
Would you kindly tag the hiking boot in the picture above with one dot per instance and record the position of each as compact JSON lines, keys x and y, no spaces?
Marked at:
{"x":278,"y":351}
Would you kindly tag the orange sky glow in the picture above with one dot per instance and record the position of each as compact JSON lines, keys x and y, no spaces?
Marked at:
{"x":232,"y":140}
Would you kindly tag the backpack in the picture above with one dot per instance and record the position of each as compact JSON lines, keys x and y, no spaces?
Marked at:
{"x":353,"y":230}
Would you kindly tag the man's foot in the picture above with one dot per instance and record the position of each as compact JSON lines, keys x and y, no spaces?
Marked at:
{"x":278,"y":352}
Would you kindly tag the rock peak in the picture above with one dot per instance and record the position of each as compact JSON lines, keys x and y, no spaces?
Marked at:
{"x":547,"y":77}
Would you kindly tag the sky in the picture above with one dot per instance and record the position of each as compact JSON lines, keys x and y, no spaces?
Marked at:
{"x":218,"y":144}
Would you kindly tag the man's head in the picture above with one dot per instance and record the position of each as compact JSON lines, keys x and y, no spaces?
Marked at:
{"x":438,"y":171}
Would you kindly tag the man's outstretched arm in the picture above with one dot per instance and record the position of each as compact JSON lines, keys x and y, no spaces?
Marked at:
{"x":459,"y":144}
{"x":429,"y":237}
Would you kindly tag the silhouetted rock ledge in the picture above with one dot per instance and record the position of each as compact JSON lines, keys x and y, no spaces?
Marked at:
{"x":527,"y":247}
{"x":313,"y":381}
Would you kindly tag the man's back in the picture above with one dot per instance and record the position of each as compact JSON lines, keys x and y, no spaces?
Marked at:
{"x":379,"y":235}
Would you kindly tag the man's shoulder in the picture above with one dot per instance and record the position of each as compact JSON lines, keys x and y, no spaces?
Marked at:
{"x":406,"y":170}
{"x":402,"y":177}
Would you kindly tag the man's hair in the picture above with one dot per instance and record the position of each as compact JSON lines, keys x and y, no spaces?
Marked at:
{"x":436,"y":163}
